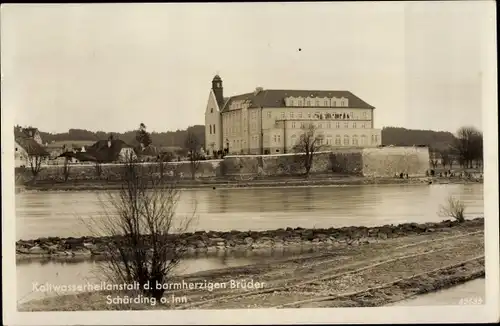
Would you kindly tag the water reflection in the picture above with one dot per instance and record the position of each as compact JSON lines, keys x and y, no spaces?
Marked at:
{"x":80,"y":270}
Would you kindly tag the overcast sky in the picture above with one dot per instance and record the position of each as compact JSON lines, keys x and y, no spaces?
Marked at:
{"x":111,"y":66}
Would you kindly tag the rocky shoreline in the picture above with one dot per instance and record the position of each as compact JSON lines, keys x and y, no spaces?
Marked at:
{"x":214,"y":241}
{"x":279,"y":182}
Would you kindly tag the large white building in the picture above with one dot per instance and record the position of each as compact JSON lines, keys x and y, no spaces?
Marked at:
{"x":270,"y":121}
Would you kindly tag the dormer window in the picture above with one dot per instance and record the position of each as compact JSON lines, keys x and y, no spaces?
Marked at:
{"x":300,"y":102}
{"x":308,"y":103}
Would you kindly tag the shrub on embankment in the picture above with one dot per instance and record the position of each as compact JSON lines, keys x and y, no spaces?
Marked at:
{"x":201,"y":241}
{"x":371,"y":162}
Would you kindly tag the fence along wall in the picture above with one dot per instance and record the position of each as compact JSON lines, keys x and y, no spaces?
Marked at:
{"x":370,"y":162}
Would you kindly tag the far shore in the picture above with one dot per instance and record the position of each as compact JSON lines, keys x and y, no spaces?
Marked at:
{"x":276,"y":182}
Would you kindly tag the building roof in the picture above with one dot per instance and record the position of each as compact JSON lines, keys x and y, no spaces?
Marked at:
{"x":275,"y":98}
{"x":31,"y":146}
{"x":148,"y":151}
{"x":104,"y":153}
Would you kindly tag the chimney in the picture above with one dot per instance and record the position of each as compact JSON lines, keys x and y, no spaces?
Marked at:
{"x":258,"y":90}
{"x":110,"y":139}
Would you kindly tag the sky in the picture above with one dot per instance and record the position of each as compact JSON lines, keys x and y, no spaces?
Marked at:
{"x":112,"y":66}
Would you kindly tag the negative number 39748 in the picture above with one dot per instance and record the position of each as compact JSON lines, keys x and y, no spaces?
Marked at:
{"x":471,"y":301}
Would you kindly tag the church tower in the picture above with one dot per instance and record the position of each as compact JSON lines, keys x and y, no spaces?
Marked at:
{"x":217,"y":88}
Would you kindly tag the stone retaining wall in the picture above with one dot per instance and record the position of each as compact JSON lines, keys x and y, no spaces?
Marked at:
{"x":372,"y":162}
{"x":237,"y":240}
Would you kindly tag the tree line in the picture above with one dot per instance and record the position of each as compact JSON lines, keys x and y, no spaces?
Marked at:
{"x":161,"y":139}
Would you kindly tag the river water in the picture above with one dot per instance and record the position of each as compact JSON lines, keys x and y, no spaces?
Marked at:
{"x":44,"y":214}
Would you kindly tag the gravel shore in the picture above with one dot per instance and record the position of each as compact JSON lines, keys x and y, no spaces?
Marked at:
{"x":365,"y":274}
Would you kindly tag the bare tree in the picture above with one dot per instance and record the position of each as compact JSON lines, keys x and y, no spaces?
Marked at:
{"x":445,"y":157}
{"x":140,"y":224}
{"x":309,"y":143}
{"x":193,"y":147}
{"x":469,"y":145}
{"x":453,"y":208}
{"x":35,"y":163}
{"x":98,"y":168}
{"x":66,"y":169}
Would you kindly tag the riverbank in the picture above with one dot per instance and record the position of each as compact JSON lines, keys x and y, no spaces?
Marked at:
{"x":327,"y":180}
{"x":366,"y":274}
{"x":213,"y":241}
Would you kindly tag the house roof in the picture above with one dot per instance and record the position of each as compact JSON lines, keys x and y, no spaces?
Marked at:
{"x":148,"y":151}
{"x":104,"y":153}
{"x":275,"y":98}
{"x":31,"y":146}
{"x":81,"y":156}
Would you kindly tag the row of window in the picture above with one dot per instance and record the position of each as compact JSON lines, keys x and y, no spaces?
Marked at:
{"x":319,"y":115}
{"x":316,"y":102}
{"x":300,"y":115}
{"x":338,"y":140}
{"x":212,"y":129}
{"x":329,"y":140}
{"x":328,"y":125}
{"x":296,"y":125}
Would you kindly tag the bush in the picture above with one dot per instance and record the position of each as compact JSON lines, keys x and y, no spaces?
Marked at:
{"x":453,"y":208}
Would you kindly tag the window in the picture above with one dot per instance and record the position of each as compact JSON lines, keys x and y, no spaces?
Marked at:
{"x":351,"y":115}
{"x":355,"y":140}
{"x":291,"y":103}
{"x":326,"y":102}
{"x":364,"y":115}
{"x":329,"y":125}
{"x":269,"y":115}
{"x":362,"y":125}
{"x":308,"y":103}
{"x":354,"y":125}
{"x":317,"y":102}
{"x":334,"y":103}
{"x":211,"y":110}
{"x":302,"y":125}
{"x":346,"y":125}
{"x":346,"y":140}
{"x":373,"y":141}
{"x":337,"y":125}
{"x":283,"y":115}
{"x":329,"y":140}
{"x":376,"y":138}
{"x":309,"y":115}
{"x":291,"y":115}
{"x":294,"y":139}
{"x":293,"y":125}
{"x":342,"y":103}
{"x":300,"y":115}
{"x":214,"y":129}
{"x":363,"y":139}
{"x":337,"y":140}
{"x":320,"y":125}
{"x":300,"y":102}
{"x":210,"y":129}
{"x":275,"y":138}
{"x":279,"y":139}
